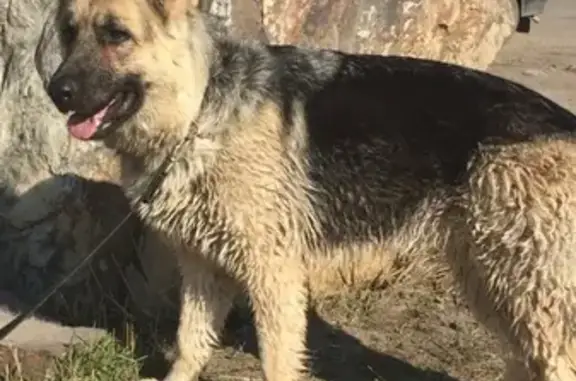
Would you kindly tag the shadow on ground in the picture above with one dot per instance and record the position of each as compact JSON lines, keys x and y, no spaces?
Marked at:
{"x":335,"y":355}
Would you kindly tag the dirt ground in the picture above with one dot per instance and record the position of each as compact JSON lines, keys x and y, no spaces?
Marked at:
{"x":418,"y":331}
{"x":545,"y":59}
{"x":404,"y":333}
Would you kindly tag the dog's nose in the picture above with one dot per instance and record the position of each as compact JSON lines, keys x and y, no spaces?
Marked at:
{"x":63,"y":92}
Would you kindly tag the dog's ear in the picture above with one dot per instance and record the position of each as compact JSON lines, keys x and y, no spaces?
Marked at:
{"x":173,"y":9}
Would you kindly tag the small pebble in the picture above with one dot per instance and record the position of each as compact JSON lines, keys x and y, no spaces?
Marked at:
{"x":533,"y":73}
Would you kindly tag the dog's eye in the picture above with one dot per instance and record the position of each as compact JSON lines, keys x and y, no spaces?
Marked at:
{"x":115,"y":36}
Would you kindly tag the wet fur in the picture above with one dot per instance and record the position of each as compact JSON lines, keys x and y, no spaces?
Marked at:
{"x":297,"y":155}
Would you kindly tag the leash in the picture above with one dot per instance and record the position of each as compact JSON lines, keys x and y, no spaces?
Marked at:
{"x":153,"y":185}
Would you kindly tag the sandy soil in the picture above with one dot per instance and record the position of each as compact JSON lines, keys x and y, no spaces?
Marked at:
{"x":403,"y":333}
{"x":545,"y":59}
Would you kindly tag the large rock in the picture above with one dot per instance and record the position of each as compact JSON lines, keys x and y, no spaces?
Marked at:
{"x":50,"y":215}
{"x":467,"y":32}
{"x":54,"y":206}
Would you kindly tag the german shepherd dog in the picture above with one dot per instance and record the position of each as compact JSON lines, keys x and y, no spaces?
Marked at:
{"x":290,"y":154}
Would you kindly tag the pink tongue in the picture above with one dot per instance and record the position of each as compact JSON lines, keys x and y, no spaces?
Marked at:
{"x":85,"y":129}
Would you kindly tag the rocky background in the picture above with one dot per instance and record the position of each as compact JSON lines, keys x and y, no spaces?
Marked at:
{"x":58,"y":197}
{"x":464,"y":32}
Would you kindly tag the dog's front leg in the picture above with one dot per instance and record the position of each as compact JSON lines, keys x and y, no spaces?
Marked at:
{"x":206,"y":299}
{"x":279,"y":298}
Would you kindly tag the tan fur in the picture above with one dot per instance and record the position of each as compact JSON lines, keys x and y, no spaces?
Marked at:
{"x":264,"y":261}
{"x":237,"y":211}
{"x":515,"y":256}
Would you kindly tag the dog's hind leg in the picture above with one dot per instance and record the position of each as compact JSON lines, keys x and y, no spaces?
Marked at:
{"x":206,"y":299}
{"x":515,"y":256}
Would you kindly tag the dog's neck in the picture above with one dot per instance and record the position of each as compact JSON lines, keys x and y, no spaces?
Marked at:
{"x":238,"y":73}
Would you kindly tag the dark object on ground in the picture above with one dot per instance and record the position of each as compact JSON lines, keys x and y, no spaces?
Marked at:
{"x":527,"y":9}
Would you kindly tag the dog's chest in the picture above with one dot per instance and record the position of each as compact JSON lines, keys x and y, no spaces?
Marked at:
{"x":190,"y":218}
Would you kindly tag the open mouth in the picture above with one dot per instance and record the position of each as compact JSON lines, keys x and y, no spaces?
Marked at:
{"x":98,"y":125}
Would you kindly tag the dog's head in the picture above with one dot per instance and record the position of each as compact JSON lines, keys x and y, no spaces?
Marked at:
{"x":133,"y":71}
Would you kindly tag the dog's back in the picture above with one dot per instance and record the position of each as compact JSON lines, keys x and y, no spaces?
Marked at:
{"x":422,"y":108}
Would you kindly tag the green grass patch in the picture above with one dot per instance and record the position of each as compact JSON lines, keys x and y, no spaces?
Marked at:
{"x":104,"y":360}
